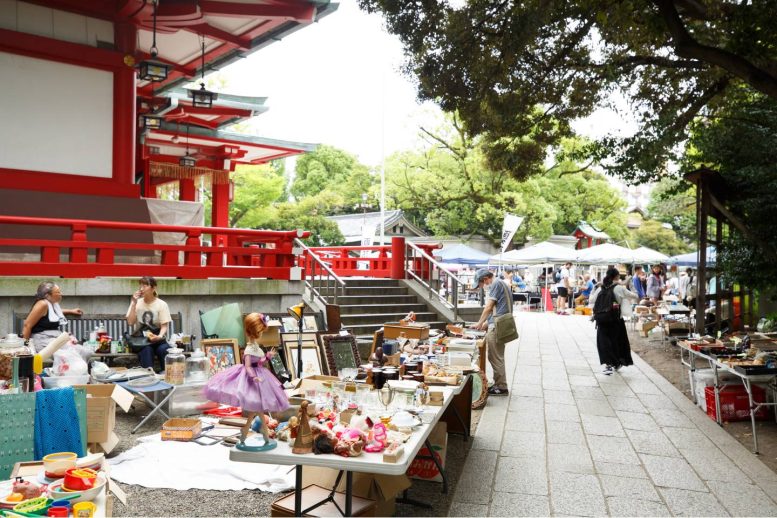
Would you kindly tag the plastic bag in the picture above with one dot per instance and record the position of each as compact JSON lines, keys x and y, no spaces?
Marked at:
{"x":68,"y":361}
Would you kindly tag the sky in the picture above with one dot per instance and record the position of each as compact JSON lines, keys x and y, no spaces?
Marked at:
{"x":338,"y":82}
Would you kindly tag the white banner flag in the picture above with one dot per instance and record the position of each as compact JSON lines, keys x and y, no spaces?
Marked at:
{"x":509,"y":228}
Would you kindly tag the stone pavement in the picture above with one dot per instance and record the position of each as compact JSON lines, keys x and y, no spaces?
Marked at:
{"x":572,"y":441}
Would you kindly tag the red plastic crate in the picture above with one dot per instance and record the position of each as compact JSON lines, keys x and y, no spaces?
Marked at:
{"x":734,"y":403}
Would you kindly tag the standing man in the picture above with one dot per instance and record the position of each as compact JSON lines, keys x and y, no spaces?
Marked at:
{"x":562,"y":288}
{"x":499,"y":298}
{"x":636,"y":282}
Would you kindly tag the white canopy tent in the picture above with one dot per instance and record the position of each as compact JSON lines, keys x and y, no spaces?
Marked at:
{"x":541,"y":253}
{"x":648,"y":255}
{"x":607,"y":253}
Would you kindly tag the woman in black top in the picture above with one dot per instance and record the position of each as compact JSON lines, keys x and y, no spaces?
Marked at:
{"x":46,"y":316}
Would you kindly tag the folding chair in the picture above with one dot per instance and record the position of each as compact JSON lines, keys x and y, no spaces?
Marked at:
{"x":159,"y":386}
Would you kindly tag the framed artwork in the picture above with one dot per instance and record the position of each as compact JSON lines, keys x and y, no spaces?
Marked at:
{"x":290,"y":325}
{"x":310,"y":323}
{"x":222,"y":353}
{"x":341,"y":352}
{"x":279,"y":369}
{"x":311,"y":359}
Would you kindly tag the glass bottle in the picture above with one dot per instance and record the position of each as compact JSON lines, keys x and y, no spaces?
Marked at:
{"x":196,"y":367}
{"x":175,"y":366}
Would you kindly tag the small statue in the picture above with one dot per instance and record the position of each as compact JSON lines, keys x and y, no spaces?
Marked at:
{"x":377,"y":358}
{"x":304,"y":440}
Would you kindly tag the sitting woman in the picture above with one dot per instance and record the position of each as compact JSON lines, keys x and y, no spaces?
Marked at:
{"x":43,"y":322}
{"x":151,"y":318}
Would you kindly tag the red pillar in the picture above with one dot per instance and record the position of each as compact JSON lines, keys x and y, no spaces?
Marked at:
{"x":397,"y":257}
{"x":186,"y":190}
{"x":124,"y":111}
{"x":220,"y":209}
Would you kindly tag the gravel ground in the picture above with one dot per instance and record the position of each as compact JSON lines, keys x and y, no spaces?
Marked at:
{"x":144,"y":501}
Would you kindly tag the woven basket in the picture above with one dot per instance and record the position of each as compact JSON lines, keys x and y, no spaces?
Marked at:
{"x":180,"y":429}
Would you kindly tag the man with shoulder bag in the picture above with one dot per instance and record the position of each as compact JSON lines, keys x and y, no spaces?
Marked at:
{"x":497,"y":319}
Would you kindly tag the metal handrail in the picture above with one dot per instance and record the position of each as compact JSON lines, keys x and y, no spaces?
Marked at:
{"x":316,"y":283}
{"x":451,"y":297}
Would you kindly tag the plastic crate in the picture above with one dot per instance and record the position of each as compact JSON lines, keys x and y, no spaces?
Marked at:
{"x":734,"y":403}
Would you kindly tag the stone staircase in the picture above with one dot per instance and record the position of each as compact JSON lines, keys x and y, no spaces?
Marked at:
{"x":369,"y":303}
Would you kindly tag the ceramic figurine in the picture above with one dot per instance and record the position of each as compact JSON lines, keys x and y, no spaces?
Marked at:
{"x":350,"y":443}
{"x":251,"y":385}
{"x":303,"y":443}
{"x":377,"y":358}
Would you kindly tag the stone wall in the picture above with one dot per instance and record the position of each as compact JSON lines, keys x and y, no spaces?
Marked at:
{"x":112,"y":295}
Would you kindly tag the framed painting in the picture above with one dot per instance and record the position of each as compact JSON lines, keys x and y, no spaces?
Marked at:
{"x":341,"y":352}
{"x":222,"y":353}
{"x":311,"y":359}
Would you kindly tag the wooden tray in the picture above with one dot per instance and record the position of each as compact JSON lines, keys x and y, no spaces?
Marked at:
{"x":181,"y":429}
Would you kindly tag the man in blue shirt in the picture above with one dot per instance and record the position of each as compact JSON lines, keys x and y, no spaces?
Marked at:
{"x":585,"y":293}
{"x":636,"y":282}
{"x":499,"y":302}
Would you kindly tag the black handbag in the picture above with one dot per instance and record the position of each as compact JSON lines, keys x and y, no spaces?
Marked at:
{"x":136,"y":343}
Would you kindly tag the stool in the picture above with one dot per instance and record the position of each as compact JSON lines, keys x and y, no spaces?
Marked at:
{"x":159,"y":386}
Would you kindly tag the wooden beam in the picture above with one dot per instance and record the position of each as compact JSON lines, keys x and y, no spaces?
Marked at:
{"x":297,"y":11}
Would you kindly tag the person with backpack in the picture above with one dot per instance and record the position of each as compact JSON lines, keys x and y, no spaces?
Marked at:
{"x":610,"y":306}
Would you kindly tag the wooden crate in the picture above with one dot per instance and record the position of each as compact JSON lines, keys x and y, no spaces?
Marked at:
{"x":411,"y":331}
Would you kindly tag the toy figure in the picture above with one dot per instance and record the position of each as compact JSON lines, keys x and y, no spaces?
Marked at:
{"x":350,"y":443}
{"x":250,"y":385}
{"x":377,"y":358}
{"x":304,"y":440}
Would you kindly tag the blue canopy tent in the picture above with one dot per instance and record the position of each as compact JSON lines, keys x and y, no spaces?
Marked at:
{"x":691,"y":258}
{"x":461,"y":254}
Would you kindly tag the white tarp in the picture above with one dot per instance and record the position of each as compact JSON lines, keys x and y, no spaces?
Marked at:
{"x":541,"y":253}
{"x":607,"y":253}
{"x":188,"y":465}
{"x":173,"y":212}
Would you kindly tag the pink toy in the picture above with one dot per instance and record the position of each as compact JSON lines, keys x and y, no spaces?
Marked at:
{"x":378,"y":443}
{"x":350,"y":443}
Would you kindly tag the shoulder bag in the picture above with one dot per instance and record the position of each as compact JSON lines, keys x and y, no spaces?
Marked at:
{"x":504,"y":325}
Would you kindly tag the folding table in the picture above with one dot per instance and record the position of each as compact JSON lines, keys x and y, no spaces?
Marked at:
{"x":159,"y":386}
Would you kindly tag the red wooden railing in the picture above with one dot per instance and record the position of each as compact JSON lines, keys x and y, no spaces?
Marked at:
{"x":377,"y":262}
{"x":240,"y":253}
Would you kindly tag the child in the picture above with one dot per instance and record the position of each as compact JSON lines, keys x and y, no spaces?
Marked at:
{"x":250,"y":385}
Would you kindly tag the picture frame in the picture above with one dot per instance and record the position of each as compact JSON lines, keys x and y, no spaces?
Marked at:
{"x":310,"y":323}
{"x":290,"y":325}
{"x":222,"y":353}
{"x":279,"y":369}
{"x":341,"y":352}
{"x":311,"y":359}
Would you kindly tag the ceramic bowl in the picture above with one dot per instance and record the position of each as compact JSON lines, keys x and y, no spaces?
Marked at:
{"x":56,"y":464}
{"x":57,"y":492}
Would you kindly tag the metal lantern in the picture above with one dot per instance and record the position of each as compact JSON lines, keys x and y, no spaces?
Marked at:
{"x":152,"y":70}
{"x":150,"y":121}
{"x":187,"y":161}
{"x":203,"y":98}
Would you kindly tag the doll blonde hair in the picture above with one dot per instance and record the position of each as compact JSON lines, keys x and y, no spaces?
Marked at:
{"x":255,"y":324}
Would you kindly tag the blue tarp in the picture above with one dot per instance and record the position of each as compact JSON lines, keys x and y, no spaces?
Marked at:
{"x":690,"y":259}
{"x":461,"y":254}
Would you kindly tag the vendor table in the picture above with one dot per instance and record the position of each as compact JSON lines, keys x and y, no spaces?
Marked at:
{"x":716,"y":366}
{"x":365,"y":463}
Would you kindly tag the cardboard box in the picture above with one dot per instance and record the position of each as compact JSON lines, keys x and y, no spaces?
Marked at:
{"x":272,"y":335}
{"x":381,"y":488}
{"x":101,"y":401}
{"x":412,"y":331}
{"x":313,"y":494}
{"x":317,"y":382}
{"x":425,"y":469}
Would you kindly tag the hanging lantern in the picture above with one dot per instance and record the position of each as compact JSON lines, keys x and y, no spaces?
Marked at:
{"x":203,"y":98}
{"x":151,"y":69}
{"x":187,"y":161}
{"x":150,"y":121}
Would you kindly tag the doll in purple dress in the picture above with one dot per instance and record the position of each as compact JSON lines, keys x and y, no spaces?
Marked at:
{"x":250,"y":385}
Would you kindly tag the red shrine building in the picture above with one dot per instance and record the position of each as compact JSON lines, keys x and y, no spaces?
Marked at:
{"x":98,"y":111}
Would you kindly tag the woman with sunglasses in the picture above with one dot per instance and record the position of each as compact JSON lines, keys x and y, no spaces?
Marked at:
{"x":46,"y":317}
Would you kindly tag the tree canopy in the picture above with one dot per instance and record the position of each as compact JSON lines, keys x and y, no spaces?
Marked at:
{"x":448,"y":188}
{"x":520,"y":72}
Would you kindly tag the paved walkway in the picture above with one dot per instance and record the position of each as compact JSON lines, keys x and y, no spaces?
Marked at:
{"x":572,"y":441}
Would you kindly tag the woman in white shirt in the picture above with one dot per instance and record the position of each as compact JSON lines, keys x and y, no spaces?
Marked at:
{"x":612,"y":341}
{"x":151,"y":318}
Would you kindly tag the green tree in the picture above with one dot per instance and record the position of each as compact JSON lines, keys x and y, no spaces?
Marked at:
{"x":449,"y":188}
{"x":740,"y":143}
{"x":495,"y":62}
{"x":328,"y":169}
{"x":256,"y":188}
{"x":654,"y":234}
{"x":674,"y":201}
{"x":307,"y":214}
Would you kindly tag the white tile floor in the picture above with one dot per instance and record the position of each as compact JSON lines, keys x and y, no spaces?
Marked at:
{"x":571,"y":441}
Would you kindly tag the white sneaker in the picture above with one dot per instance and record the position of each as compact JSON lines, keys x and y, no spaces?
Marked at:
{"x":607,"y":370}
